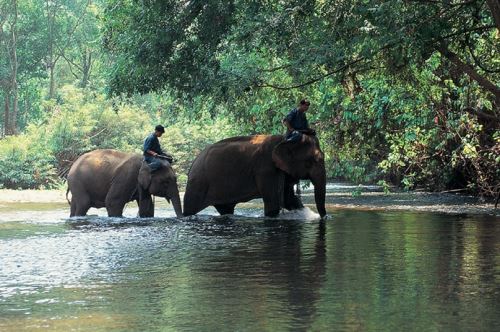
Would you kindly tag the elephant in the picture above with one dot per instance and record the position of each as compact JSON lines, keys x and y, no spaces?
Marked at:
{"x":110,"y":178}
{"x":242,"y":168}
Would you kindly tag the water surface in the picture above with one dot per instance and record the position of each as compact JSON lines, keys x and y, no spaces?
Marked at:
{"x":358,"y":270}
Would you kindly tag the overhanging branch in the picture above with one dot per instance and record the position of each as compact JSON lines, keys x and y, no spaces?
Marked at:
{"x":312,"y":81}
{"x":469,"y":70}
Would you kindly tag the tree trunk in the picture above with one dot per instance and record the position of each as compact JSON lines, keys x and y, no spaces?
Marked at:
{"x":14,"y":65}
{"x":495,"y":11}
{"x":6,"y":113}
{"x":87,"y":64}
{"x":52,"y":86}
{"x":51,"y":40}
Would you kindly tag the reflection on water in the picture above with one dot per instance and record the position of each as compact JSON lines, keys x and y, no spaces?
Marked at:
{"x":359,"y":270}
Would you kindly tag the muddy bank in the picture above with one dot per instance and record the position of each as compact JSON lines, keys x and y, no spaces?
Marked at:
{"x":337,"y":198}
{"x":32,"y":196}
{"x":341,"y":196}
{"x":417,"y":201}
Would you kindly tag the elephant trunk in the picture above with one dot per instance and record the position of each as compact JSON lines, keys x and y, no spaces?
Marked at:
{"x":176,"y":202}
{"x":319,"y":182}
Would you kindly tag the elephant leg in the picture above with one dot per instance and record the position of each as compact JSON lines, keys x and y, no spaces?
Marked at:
{"x":225,"y":208}
{"x":73,"y":209}
{"x":288,"y":196}
{"x":115,"y":209}
{"x":146,"y":206}
{"x":194,"y":197}
{"x":269,"y":189}
{"x":291,"y":201}
{"x":271,"y":210}
{"x":79,"y":206}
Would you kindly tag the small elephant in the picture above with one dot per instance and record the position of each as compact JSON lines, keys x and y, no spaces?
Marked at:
{"x":242,"y":168}
{"x":110,"y":178}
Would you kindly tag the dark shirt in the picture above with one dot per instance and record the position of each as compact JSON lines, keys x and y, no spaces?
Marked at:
{"x":152,"y":143}
{"x":297,"y":119}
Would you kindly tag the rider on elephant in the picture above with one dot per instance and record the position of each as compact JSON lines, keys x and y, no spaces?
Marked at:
{"x":296,"y":122}
{"x":153,"y":151}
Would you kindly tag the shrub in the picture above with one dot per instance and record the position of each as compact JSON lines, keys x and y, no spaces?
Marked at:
{"x":26,"y":164}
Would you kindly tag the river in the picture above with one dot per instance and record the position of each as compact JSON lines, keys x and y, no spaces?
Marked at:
{"x":361,"y":269}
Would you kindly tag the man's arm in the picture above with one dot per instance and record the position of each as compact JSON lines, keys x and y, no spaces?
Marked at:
{"x":148,"y":145}
{"x":287,"y":124}
{"x":152,"y":153}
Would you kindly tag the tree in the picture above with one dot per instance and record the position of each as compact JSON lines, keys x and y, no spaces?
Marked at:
{"x":155,"y":43}
{"x":64,"y":20}
{"x":8,"y":42}
{"x":240,"y":45}
{"x":411,"y":87}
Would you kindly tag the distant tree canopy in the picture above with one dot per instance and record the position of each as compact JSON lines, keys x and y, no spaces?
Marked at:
{"x":403,"y":92}
{"x":223,"y":47}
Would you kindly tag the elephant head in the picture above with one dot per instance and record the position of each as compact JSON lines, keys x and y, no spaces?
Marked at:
{"x":162,"y":182}
{"x":304,"y":160}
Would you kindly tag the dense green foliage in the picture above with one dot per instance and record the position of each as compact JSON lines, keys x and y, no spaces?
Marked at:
{"x":402,"y":92}
{"x":81,"y":122}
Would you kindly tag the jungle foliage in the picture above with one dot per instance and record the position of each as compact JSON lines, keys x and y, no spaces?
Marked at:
{"x":402,"y":92}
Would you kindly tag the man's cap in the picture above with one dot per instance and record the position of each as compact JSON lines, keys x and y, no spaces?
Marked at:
{"x":305,"y":102}
{"x":160,"y":128}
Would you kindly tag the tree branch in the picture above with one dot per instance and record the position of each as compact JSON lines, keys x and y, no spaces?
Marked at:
{"x":314,"y":80}
{"x":440,"y":2}
{"x":270,"y":70}
{"x":72,"y":32}
{"x":71,"y":65}
{"x":478,"y":63}
{"x":469,"y":70}
{"x":482,"y":114}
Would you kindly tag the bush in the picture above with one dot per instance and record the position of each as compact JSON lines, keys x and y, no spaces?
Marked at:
{"x":26,"y":164}
{"x":82,"y":121}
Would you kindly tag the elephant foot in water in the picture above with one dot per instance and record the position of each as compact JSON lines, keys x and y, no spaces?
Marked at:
{"x":115,"y":211}
{"x":292,"y":202}
{"x":225,"y":208}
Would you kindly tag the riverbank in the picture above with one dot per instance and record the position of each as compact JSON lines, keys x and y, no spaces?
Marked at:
{"x":371,"y":200}
{"x":413,"y":201}
{"x":32,"y":196}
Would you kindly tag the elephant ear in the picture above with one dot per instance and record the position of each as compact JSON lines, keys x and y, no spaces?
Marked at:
{"x":144,"y":178}
{"x":284,"y":156}
{"x":293,"y":157}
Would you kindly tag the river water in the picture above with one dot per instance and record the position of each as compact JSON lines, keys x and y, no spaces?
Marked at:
{"x":358,"y":270}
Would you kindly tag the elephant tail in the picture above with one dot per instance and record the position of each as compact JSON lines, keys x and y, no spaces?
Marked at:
{"x":67,"y":191}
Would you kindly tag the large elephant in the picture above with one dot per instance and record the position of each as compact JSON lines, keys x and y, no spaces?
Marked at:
{"x":109,"y":178}
{"x":242,"y":168}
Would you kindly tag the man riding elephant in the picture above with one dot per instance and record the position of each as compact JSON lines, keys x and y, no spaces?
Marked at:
{"x":153,"y":151}
{"x":296,"y":122}
{"x":239,"y":169}
{"x":110,"y":179}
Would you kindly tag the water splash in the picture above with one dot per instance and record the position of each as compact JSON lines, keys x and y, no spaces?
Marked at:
{"x":301,"y":214}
